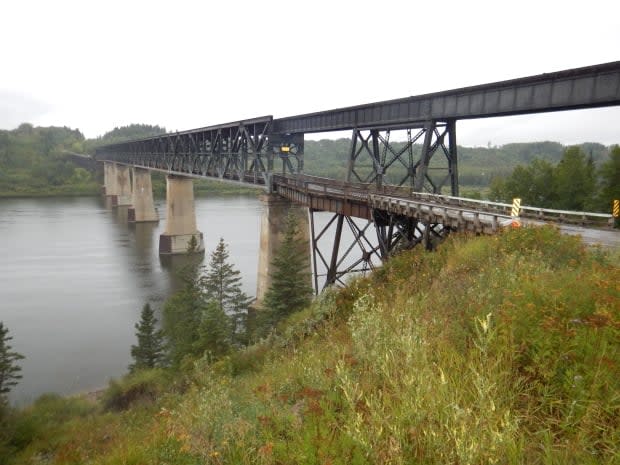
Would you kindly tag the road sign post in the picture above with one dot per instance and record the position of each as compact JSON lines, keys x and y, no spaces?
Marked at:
{"x":516,"y":211}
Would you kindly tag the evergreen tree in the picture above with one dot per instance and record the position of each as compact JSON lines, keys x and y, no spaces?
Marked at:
{"x":9,"y":369}
{"x":214,"y":333}
{"x":290,"y":288}
{"x":149,"y":352}
{"x":222,"y":285}
{"x":181,"y":318}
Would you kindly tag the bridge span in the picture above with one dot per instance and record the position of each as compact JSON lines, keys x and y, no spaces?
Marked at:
{"x":269,"y":152}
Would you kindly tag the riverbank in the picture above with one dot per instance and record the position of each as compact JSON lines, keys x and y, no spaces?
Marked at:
{"x":513,"y":336}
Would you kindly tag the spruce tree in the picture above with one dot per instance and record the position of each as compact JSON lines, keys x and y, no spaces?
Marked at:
{"x":149,"y":353}
{"x":9,"y":369}
{"x":181,"y":318}
{"x":214,"y":333}
{"x":290,"y":288}
{"x":222,"y":285}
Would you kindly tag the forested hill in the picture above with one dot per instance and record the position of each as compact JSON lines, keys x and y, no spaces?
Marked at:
{"x":33,"y":162}
{"x":124,"y":133}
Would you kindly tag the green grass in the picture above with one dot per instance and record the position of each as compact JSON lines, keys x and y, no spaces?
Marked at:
{"x":501,"y":349}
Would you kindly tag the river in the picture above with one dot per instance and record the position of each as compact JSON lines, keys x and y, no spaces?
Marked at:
{"x":74,"y":277}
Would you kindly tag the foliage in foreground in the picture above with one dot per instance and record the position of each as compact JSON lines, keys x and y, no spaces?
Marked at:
{"x":9,"y":367}
{"x":498,"y":349}
{"x":290,"y":289}
{"x":209,"y":313}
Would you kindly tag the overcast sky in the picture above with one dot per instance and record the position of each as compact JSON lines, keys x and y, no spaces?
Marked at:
{"x":96,"y":64}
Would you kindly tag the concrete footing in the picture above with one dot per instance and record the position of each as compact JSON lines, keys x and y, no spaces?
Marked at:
{"x":143,"y":207}
{"x":273,"y":225}
{"x":180,"y":218}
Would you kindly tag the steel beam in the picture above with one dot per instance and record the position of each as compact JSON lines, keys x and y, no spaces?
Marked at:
{"x":588,"y":87}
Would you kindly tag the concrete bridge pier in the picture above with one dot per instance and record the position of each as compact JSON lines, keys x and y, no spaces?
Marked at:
{"x":273,"y":226}
{"x":110,"y":188}
{"x":143,"y":207}
{"x":106,"y":179}
{"x":123,"y":185}
{"x":180,"y":218}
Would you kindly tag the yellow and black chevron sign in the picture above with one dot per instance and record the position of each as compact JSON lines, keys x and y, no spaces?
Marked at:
{"x":616,"y":209}
{"x":516,"y":208}
{"x":516,"y":211}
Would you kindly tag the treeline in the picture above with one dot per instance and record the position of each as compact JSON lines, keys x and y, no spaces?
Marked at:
{"x":575,"y":183}
{"x":33,"y":161}
{"x":37,"y":161}
{"x":122,"y":134}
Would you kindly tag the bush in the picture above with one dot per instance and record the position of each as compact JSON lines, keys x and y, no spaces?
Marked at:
{"x":141,"y":387}
{"x":45,"y":416}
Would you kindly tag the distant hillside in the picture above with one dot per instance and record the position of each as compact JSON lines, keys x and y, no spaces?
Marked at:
{"x":33,"y":162}
{"x":477,"y":165}
{"x":123,"y":134}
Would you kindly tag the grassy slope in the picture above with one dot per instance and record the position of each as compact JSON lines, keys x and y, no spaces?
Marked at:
{"x":498,"y":349}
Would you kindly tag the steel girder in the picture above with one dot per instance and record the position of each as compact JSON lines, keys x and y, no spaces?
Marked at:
{"x":589,"y":87}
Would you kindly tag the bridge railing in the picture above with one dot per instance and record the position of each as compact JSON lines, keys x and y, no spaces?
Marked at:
{"x":325,"y":186}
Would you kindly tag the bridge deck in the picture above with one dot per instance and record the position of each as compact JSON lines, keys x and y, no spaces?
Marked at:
{"x":359,"y":200}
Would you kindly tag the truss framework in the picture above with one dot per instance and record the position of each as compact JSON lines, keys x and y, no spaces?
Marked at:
{"x":355,"y":250}
{"x":409,"y":163}
{"x":243,"y":152}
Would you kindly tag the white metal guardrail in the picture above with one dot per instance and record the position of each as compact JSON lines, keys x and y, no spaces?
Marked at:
{"x":359,"y":190}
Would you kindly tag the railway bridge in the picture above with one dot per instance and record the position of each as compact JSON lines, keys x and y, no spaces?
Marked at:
{"x":401,"y":177}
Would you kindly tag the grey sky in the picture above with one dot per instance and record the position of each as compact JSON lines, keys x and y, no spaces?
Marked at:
{"x":184,"y":64}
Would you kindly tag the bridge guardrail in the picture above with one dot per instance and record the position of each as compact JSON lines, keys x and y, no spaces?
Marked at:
{"x":317,"y":184}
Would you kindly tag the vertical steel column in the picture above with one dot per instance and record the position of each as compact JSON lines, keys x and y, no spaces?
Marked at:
{"x":352,"y":155}
{"x":314,"y":247}
{"x":453,"y":167}
{"x":333,"y":265}
{"x":376,"y":158}
{"x":425,"y":157}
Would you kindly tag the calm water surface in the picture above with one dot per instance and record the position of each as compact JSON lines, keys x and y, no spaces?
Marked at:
{"x":74,"y":277}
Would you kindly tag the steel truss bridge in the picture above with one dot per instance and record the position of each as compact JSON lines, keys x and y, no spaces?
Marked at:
{"x":395,"y":185}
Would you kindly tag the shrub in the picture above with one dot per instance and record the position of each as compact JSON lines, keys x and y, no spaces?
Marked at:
{"x":141,"y":387}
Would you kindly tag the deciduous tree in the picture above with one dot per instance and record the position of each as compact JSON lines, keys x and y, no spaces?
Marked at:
{"x":609,"y":175}
{"x":574,"y":180}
